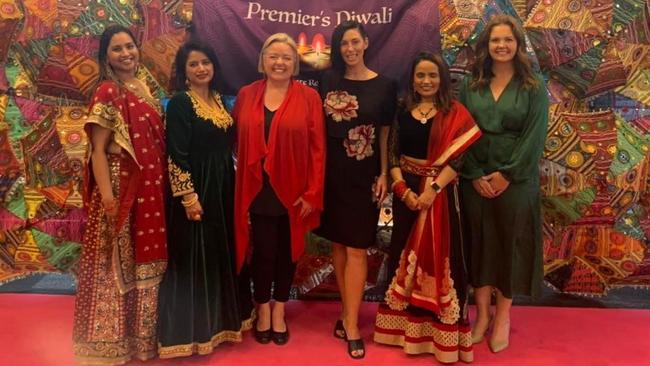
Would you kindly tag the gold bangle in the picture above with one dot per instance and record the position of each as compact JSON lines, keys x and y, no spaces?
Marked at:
{"x":189,"y":202}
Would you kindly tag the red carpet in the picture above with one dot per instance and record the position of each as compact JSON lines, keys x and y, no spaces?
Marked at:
{"x":36,"y":330}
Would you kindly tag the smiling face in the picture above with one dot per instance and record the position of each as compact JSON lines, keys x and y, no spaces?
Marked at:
{"x":353,"y":47}
{"x":502,"y":44}
{"x":426,"y":79}
{"x":122,"y":54}
{"x":199,"y":69}
{"x":279,"y":61}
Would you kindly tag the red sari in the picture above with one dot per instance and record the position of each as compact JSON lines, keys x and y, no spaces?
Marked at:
{"x":423,"y":280}
{"x":123,"y":260}
{"x":294,"y":159}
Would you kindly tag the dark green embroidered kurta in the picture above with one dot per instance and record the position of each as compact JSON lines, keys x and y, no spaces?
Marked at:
{"x":202,"y":302}
{"x":505,"y":232}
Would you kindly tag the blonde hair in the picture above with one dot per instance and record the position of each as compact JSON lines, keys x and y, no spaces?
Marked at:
{"x":280,"y":38}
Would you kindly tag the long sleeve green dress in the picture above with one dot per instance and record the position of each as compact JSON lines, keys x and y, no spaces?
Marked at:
{"x":202,"y":301}
{"x":505,"y":231}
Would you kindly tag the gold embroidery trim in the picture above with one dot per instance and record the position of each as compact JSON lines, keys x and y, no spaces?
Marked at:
{"x":218,"y":116}
{"x":449,"y":314}
{"x":180,"y":180}
{"x":107,"y":116}
{"x":206,"y":347}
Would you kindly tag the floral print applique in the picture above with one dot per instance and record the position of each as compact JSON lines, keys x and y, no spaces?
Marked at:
{"x":359,"y":143}
{"x":341,"y":106}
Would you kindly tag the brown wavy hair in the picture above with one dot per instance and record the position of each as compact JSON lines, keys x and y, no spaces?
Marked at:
{"x":482,"y":68}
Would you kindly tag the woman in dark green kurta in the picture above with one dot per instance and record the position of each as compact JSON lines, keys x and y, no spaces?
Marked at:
{"x":500,"y":183}
{"x":201,"y":304}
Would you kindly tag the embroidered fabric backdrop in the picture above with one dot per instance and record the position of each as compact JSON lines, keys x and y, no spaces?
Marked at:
{"x":595,"y":56}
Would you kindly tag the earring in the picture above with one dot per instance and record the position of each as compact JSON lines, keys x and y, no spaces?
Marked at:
{"x":109,"y":71}
{"x":187,"y":83}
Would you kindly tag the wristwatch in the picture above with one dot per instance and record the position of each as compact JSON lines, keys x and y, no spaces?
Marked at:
{"x":436,"y":187}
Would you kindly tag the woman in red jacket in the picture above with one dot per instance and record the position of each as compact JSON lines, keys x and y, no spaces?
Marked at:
{"x":279,"y":179}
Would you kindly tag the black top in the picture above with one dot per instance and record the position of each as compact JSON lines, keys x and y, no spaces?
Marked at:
{"x":372,"y":102}
{"x":408,"y":136}
{"x":267,"y":202}
{"x":413,"y":135}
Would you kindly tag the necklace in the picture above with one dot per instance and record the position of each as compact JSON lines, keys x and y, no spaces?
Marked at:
{"x":423,"y":115}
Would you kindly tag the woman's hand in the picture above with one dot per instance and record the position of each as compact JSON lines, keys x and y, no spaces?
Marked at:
{"x":498,"y":182}
{"x":380,"y":189}
{"x":426,"y":198}
{"x":111,"y":206}
{"x":193,"y":208}
{"x":482,"y":187}
{"x":305,"y":208}
{"x":411,"y":200}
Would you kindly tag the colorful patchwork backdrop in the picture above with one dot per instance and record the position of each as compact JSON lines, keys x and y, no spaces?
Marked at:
{"x":594,"y":54}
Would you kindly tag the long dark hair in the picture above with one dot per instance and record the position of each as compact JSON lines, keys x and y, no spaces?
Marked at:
{"x":482,"y":68}
{"x":442,"y":98}
{"x":105,"y":70}
{"x":338,"y":65}
{"x":181,"y":59}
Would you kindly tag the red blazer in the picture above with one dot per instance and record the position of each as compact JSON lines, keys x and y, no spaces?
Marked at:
{"x":295,"y":159}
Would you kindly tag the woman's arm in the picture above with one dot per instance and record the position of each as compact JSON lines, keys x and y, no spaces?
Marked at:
{"x":179,"y":139}
{"x":409,"y":198}
{"x":100,"y":138}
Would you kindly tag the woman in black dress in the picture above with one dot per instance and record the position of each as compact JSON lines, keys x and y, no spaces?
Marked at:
{"x":359,"y":106}
{"x":201,"y":304}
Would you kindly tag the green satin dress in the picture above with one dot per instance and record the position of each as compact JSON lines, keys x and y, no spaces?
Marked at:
{"x":202,"y":301}
{"x":506,"y":232}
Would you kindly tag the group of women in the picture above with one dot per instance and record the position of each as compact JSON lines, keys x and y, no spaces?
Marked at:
{"x":174,"y":229}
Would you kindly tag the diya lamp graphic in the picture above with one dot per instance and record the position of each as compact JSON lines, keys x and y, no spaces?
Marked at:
{"x":316,"y":54}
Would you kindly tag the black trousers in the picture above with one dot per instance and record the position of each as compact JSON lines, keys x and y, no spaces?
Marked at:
{"x":271,"y":265}
{"x":403,"y":220}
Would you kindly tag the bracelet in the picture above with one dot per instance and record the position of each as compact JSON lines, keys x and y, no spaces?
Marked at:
{"x":392,"y":186}
{"x":400,"y":189}
{"x":383,"y":174}
{"x":405,"y":194}
{"x":191,"y":201}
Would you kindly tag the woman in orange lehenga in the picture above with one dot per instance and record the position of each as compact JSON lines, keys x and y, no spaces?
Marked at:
{"x":124,"y":246}
{"x":426,"y":310}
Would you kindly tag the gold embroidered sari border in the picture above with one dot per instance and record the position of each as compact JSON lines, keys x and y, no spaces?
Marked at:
{"x":183,"y":350}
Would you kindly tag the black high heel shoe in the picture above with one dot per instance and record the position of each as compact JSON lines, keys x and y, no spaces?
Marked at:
{"x":281,"y":338}
{"x":339,"y":331}
{"x":262,"y":336}
{"x":355,"y":345}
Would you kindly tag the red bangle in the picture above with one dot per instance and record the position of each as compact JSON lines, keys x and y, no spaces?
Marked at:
{"x":400,"y":189}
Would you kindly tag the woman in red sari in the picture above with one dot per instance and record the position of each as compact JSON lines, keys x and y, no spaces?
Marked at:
{"x":124,"y":247}
{"x":426,"y":310}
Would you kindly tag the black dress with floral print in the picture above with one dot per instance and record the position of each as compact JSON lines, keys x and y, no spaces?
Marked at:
{"x":356,"y":111}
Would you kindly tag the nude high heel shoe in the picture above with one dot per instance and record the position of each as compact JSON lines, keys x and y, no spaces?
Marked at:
{"x":498,"y":345}
{"x":479,"y":336}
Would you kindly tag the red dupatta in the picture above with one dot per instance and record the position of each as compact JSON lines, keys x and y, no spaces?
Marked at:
{"x":138,"y":128}
{"x":423,"y":278}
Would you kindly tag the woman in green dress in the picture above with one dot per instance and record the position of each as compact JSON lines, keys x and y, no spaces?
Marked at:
{"x":201,"y":304}
{"x":500,"y":185}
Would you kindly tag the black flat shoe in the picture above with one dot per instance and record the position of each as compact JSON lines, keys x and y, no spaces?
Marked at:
{"x":281,"y":338}
{"x":262,"y":336}
{"x":356,"y":345}
{"x":339,"y":331}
